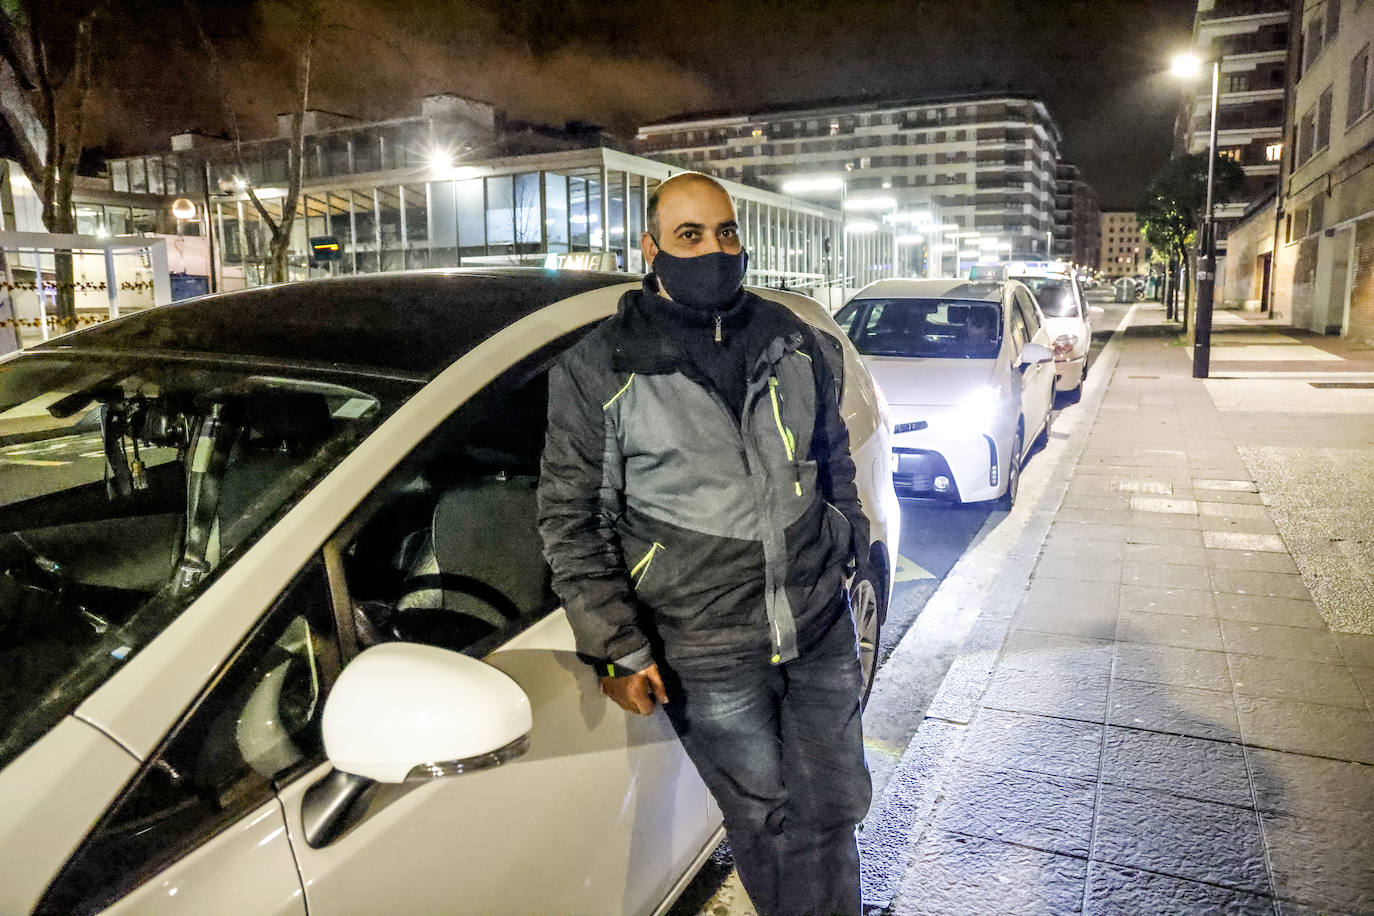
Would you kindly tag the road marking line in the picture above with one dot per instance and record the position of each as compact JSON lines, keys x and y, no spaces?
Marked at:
{"x":34,"y":462}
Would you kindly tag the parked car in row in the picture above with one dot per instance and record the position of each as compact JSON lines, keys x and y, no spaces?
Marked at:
{"x":278,"y":632}
{"x":967,"y":369}
{"x":1068,"y":319}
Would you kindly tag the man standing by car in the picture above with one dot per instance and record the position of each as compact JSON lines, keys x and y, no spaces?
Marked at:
{"x":699,"y":512}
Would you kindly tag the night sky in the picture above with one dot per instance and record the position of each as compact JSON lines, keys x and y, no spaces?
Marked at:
{"x":1097,"y":63}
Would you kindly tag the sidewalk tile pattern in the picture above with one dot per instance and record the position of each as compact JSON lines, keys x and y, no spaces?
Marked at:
{"x":1171,"y":725}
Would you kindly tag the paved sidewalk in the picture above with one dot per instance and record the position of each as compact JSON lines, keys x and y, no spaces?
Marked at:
{"x":1161,"y":719}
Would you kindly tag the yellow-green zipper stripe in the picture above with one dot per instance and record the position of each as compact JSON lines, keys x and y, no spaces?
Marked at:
{"x":641,"y":569}
{"x":789,"y":442}
{"x":623,"y":388}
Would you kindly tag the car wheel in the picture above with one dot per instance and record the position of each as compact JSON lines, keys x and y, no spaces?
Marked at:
{"x":867,"y":597}
{"x":1008,"y":499}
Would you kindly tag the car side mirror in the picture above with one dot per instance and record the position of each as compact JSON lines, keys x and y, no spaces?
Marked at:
{"x":405,"y":712}
{"x":1096,"y":311}
{"x":1033,"y":353}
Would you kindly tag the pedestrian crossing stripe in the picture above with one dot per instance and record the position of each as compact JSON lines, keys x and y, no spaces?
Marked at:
{"x":909,"y":570}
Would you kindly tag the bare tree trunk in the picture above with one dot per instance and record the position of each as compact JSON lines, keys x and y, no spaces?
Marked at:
{"x":1169,"y":290}
{"x":279,"y":244}
{"x":281,"y":232}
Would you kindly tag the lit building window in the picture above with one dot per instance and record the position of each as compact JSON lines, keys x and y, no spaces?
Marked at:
{"x":1273,"y":152}
{"x":1234,"y":154}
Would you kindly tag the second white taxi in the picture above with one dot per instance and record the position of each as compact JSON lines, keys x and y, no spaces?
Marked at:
{"x":1067,"y":316}
{"x":967,"y":369}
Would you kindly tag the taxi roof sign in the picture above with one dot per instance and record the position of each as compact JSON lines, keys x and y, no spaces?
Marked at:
{"x":995,"y":272}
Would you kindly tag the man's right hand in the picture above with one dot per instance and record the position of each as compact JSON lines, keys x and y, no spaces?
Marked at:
{"x":637,"y":692}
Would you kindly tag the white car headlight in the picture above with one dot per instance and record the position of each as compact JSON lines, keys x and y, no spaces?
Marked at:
{"x":975,"y":413}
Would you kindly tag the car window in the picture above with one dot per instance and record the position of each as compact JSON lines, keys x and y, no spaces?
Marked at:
{"x":258,"y":721}
{"x":1030,"y":313}
{"x":942,"y":328}
{"x":127,"y":483}
{"x":1019,"y":333}
{"x":447,"y":551}
{"x":846,"y":315}
{"x":1055,"y":295}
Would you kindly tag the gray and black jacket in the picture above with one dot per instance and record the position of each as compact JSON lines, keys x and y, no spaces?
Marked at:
{"x":678,"y":532}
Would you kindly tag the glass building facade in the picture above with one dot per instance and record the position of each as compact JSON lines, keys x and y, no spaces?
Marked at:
{"x":394,"y":199}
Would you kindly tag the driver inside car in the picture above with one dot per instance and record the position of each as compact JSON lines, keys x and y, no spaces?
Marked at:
{"x":980,"y":332}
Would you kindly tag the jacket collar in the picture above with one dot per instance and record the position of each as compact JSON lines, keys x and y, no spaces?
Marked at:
{"x":639,"y":346}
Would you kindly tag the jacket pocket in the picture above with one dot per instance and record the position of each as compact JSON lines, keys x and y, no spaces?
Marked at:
{"x":789,"y":439}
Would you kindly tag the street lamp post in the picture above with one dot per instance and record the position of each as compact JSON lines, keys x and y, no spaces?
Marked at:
{"x":1186,"y":65}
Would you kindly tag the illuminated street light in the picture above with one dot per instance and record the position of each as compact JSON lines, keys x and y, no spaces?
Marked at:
{"x":183,"y":208}
{"x":1188,"y":66}
{"x":1185,"y":66}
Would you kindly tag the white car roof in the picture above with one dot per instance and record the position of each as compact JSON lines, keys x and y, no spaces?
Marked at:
{"x":954,"y":288}
{"x":1038,"y":269}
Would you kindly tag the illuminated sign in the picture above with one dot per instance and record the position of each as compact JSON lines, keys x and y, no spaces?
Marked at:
{"x":996,"y":272}
{"x":580,"y":260}
{"x":325,"y":248}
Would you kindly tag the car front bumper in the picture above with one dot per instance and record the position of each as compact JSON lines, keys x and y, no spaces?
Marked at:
{"x":972,"y":464}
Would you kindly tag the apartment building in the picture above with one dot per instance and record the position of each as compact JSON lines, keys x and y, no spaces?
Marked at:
{"x":982,"y":164}
{"x":1251,"y":38}
{"x":1324,"y":261}
{"x":1123,"y":252}
{"x":1077,"y":220}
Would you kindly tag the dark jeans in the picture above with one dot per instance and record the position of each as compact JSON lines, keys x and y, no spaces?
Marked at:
{"x":781,"y":749}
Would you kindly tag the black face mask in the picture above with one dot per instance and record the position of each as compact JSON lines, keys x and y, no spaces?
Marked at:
{"x":707,"y":281}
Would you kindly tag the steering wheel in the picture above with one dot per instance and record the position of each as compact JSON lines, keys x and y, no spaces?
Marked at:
{"x":448,"y":627}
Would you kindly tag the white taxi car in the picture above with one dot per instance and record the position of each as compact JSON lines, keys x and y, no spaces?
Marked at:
{"x":278,"y":631}
{"x":966,"y":409}
{"x":1068,"y":318}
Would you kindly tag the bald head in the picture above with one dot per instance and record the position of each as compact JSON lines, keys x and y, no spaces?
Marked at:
{"x":690,"y":214}
{"x":671,"y":186}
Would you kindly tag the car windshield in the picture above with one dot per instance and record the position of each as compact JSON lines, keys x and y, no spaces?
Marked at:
{"x":126,"y":484}
{"x":1055,"y":295}
{"x":944,"y":328}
